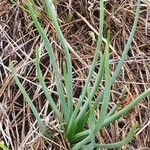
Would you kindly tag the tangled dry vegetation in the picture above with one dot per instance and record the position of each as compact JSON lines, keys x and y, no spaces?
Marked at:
{"x":79,"y":23}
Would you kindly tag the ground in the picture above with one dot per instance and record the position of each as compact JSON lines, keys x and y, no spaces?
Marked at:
{"x":79,"y":23}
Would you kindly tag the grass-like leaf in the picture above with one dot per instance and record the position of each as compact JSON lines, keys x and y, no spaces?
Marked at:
{"x":45,"y":89}
{"x":127,"y":108}
{"x":92,"y":125}
{"x":105,"y":102}
{"x":52,"y":59}
{"x":53,"y":15}
{"x":124,"y":55}
{"x":93,"y":90}
{"x":30,"y":103}
{"x":3,"y":147}
{"x":126,"y":140}
{"x":125,"y":52}
{"x":75,"y":119}
{"x":96,"y":56}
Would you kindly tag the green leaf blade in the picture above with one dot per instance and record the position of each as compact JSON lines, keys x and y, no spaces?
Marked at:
{"x":29,"y":101}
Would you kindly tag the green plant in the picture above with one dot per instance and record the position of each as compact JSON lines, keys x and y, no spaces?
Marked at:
{"x":74,"y":119}
{"x":3,"y":147}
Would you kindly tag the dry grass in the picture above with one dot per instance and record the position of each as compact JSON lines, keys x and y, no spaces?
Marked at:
{"x":18,"y":38}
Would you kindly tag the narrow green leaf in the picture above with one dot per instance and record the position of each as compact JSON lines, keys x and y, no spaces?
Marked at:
{"x":92,"y":125}
{"x":53,"y":15}
{"x":52,"y":59}
{"x":96,"y":56}
{"x":65,"y":74}
{"x":127,"y":47}
{"x":80,"y":144}
{"x":45,"y":89}
{"x":29,"y":101}
{"x":120,"y":143}
{"x":93,"y":90}
{"x":80,"y":135}
{"x":127,"y":108}
{"x":112,"y":111}
{"x":125,"y":52}
{"x":105,"y":102}
{"x":3,"y":147}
